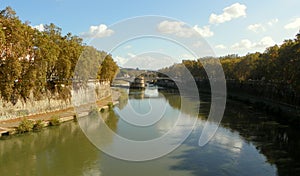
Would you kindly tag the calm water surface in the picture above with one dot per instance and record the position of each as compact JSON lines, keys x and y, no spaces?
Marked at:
{"x":247,"y":143}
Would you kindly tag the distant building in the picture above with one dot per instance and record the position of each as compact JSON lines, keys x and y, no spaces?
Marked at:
{"x":126,"y":75}
{"x":138,"y":83}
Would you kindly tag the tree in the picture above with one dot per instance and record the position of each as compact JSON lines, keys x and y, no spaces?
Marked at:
{"x":43,"y":61}
{"x":8,"y":13}
{"x":109,"y":68}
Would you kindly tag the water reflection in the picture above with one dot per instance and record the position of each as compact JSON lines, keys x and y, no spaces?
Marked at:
{"x":136,"y":93}
{"x":62,"y":150}
{"x":225,"y":154}
{"x":247,"y":143}
{"x":145,"y":107}
{"x":123,"y":98}
{"x":234,"y":150}
{"x":279,"y":143}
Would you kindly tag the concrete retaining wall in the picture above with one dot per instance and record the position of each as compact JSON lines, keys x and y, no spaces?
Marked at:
{"x":92,"y":92}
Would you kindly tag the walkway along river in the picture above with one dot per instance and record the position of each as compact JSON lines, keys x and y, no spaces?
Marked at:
{"x":248,"y":142}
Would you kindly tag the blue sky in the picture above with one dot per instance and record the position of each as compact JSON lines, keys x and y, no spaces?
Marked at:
{"x":228,"y":26}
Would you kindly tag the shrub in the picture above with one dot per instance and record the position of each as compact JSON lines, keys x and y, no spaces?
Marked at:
{"x":38,"y":125}
{"x":22,"y":112}
{"x":54,"y":121}
{"x":110,"y":105}
{"x":25,"y":126}
{"x":102,"y":110}
{"x":93,"y":112}
{"x":75,"y":118}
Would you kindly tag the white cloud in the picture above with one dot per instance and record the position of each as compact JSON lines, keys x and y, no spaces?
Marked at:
{"x":127,"y":47}
{"x":97,"y":32}
{"x":294,"y":24}
{"x":220,"y":46}
{"x":131,"y":55}
{"x":243,"y":44}
{"x":120,"y":60}
{"x":265,"y":42}
{"x":247,"y":44}
{"x":256,"y":28}
{"x":179,"y":29}
{"x":204,"y":32}
{"x":39,"y":27}
{"x":259,"y":27}
{"x":198,"y":44}
{"x":149,"y":61}
{"x":175,"y":27}
{"x":234,"y":11}
{"x":273,"y":21}
{"x":187,"y":56}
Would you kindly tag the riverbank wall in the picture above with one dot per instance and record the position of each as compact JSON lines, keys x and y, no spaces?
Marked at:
{"x":276,"y":99}
{"x":109,"y":98}
{"x":50,"y":102}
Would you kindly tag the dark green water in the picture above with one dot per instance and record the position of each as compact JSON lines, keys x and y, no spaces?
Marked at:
{"x":248,"y":142}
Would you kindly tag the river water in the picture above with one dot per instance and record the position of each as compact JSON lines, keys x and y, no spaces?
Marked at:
{"x":248,"y":142}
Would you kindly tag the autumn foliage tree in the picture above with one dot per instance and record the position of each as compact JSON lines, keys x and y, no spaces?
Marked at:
{"x":41,"y":61}
{"x":277,"y":65}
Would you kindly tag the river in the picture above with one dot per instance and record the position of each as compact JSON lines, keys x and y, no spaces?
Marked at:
{"x":248,"y":142}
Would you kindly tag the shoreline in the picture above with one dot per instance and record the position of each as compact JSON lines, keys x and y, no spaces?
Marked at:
{"x":286,"y":114}
{"x":10,"y":127}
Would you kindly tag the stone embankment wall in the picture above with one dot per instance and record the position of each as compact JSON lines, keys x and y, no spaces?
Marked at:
{"x":279,"y":100}
{"x":54,"y":102}
{"x":273,"y":92}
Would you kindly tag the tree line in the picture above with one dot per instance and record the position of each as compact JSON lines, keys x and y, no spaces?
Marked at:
{"x":45,"y":61}
{"x":277,"y":65}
